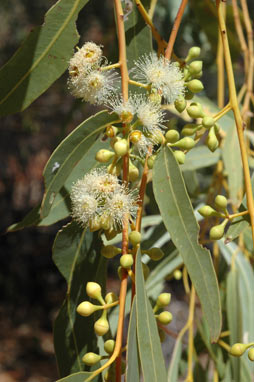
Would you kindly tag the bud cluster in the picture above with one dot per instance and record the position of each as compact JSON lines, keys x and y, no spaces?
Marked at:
{"x":238,"y":349}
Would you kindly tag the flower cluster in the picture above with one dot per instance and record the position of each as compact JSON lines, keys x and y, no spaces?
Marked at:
{"x":100,"y":201}
{"x":161,"y":74}
{"x":87,"y":79}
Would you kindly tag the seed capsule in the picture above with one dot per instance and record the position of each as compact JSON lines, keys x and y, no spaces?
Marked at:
{"x":165,"y":317}
{"x":91,"y":359}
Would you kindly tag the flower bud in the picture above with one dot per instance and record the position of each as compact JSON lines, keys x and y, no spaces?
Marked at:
{"x":85,"y":308}
{"x":103,"y":156}
{"x":238,"y":349}
{"x":150,"y":161}
{"x":195,"y":86}
{"x":94,"y":224}
{"x":105,"y":222}
{"x":165,"y":317}
{"x":217,"y":232}
{"x":101,"y":326}
{"x":208,"y":122}
{"x":172,"y":136}
{"x":212,"y":141}
{"x":111,"y":131}
{"x":126,"y":261}
{"x":251,"y":354}
{"x":133,"y":172}
{"x":207,"y":211}
{"x":221,"y":202}
{"x":180,"y":104}
{"x":195,"y":110}
{"x":135,"y":238}
{"x":188,"y":94}
{"x":177,"y":274}
{"x":193,"y":53}
{"x":185,"y":143}
{"x":189,"y":129}
{"x":163,"y":300}
{"x":109,"y":346}
{"x":195,"y":67}
{"x":110,"y":251}
{"x":180,"y":156}
{"x":146,"y":270}
{"x":126,"y":117}
{"x":110,"y":298}
{"x":93,"y":290}
{"x":155,"y":253}
{"x":91,"y":358}
{"x":121,"y":147}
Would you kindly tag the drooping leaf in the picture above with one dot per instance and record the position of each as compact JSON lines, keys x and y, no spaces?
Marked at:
{"x":132,"y":370}
{"x":42,"y":58}
{"x":79,"y":377}
{"x":69,"y":153}
{"x":200,"y":157}
{"x":178,"y":217}
{"x":151,"y":357}
{"x":76,"y":254}
{"x":138,"y":34}
{"x":173,"y":370}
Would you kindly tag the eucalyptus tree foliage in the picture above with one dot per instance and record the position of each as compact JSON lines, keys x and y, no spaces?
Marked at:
{"x":153,"y":127}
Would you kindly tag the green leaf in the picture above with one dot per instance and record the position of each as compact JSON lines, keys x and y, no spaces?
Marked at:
{"x":178,"y":216}
{"x":79,"y":377}
{"x":200,"y":157}
{"x":138,"y":34}
{"x":151,"y":357}
{"x":41,"y":59}
{"x":76,"y":254}
{"x":69,"y":153}
{"x":132,"y":371}
{"x":173,"y":370}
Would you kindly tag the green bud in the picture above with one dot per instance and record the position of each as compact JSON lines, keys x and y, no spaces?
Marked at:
{"x":195,"y":86}
{"x":172,"y":136}
{"x":180,"y":156}
{"x":101,"y":326}
{"x":146,"y":270}
{"x":85,"y":308}
{"x":216,"y":128}
{"x":126,"y":261}
{"x":150,"y":161}
{"x":212,"y":141}
{"x":195,"y":67}
{"x":165,"y":318}
{"x":110,"y":298}
{"x":238,"y":349}
{"x":188,"y":94}
{"x":251,"y":354}
{"x":221,"y":202}
{"x":185,"y":143}
{"x":180,"y":104}
{"x":135,"y":238}
{"x":110,"y":251}
{"x":91,"y":359}
{"x":103,"y":156}
{"x":193,"y":53}
{"x":163,"y":300}
{"x":93,"y":290}
{"x":121,"y":147}
{"x":109,"y":346}
{"x":207,"y":211}
{"x":195,"y":110}
{"x":189,"y":129}
{"x":217,"y":232}
{"x":133,"y":172}
{"x":208,"y":122}
{"x":177,"y":274}
{"x":155,"y":253}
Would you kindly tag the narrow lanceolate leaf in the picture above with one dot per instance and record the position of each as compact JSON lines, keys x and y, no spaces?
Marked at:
{"x":174,"y":365}
{"x":200,"y":157}
{"x":41,"y":59}
{"x":178,"y":216}
{"x":76,"y":254}
{"x":70,"y":151}
{"x":79,"y":377}
{"x":132,"y":369}
{"x":149,"y":346}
